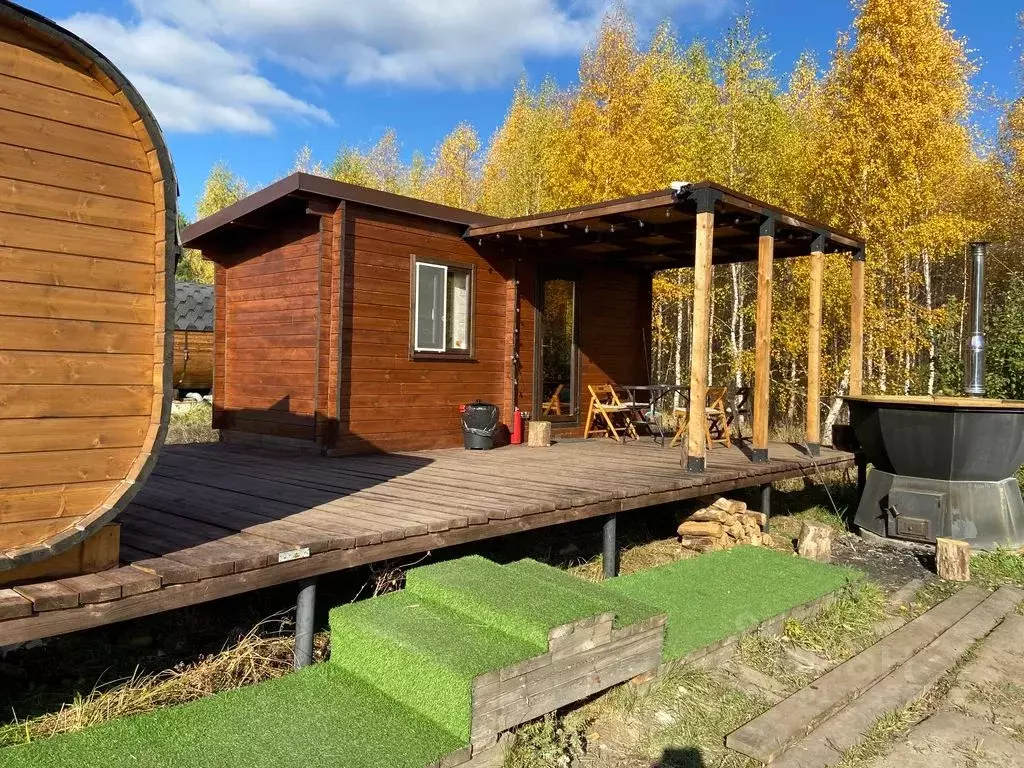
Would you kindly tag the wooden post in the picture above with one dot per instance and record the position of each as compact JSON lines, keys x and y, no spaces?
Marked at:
{"x":857,"y":323}
{"x":763,"y":339}
{"x":700,"y":330}
{"x":953,"y":559}
{"x":814,"y":347}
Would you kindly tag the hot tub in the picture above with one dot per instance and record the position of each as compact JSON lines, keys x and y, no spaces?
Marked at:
{"x":941,"y":466}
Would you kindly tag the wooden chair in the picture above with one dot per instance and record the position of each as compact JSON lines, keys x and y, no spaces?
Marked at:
{"x":553,"y":406}
{"x":716,"y":422}
{"x":613,"y":417}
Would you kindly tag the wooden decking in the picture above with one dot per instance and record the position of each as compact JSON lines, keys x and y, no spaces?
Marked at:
{"x":218,"y":520}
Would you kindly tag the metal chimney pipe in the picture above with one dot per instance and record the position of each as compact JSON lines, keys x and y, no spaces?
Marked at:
{"x":974,"y":355}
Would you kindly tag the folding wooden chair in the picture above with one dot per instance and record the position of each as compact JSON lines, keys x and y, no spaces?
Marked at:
{"x":553,"y":406}
{"x":716,"y":423}
{"x":613,"y":417}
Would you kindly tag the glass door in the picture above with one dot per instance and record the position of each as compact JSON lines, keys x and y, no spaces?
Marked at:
{"x":557,"y":351}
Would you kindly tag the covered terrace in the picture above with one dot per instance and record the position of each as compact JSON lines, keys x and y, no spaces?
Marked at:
{"x":695,"y":226}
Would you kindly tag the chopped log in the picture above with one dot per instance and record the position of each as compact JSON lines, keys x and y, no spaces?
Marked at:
{"x":710,"y":514}
{"x":701,"y":543}
{"x":699,"y":528}
{"x":815,"y":542}
{"x":737,"y":531}
{"x":729,"y":505}
{"x":756,"y":538}
{"x":538,"y":434}
{"x":953,"y":559}
{"x":760,"y":518}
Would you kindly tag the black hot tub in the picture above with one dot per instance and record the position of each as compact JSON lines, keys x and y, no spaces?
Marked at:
{"x":941,"y":466}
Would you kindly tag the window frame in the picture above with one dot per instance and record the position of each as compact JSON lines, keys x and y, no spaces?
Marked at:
{"x":456,"y":355}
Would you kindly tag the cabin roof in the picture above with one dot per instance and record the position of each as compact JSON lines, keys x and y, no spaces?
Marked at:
{"x":193,"y":306}
{"x":655,"y":229}
{"x":300,"y":187}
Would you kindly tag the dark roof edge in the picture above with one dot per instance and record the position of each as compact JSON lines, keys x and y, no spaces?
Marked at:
{"x":305,"y":183}
{"x":663,"y":197}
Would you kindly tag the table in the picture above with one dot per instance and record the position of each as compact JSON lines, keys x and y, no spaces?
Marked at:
{"x":656,"y":393}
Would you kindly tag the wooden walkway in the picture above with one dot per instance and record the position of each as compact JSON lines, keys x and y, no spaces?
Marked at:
{"x":219,"y":520}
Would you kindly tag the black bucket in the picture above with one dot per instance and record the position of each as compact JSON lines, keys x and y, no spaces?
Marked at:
{"x":479,"y":424}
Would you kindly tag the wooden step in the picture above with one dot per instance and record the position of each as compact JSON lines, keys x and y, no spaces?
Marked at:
{"x":827,"y":743}
{"x":767,"y":736}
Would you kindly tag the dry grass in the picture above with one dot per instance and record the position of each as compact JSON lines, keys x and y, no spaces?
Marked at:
{"x":191,"y":422}
{"x":845,"y":627}
{"x":632,"y":559}
{"x":767,"y":654}
{"x":680,"y":720}
{"x":262,"y":654}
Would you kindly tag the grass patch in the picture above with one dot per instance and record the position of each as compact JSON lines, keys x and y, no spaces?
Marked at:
{"x":721,"y":593}
{"x":680,"y":721}
{"x":191,"y":422}
{"x":845,"y":627}
{"x":1003,"y":566}
{"x":931,"y":594}
{"x":551,"y":742}
{"x":767,"y":654}
{"x":319,"y":716}
{"x":255,"y":658}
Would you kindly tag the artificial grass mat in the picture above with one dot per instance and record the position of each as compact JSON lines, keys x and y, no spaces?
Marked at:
{"x":511,"y":600}
{"x":719,"y":594}
{"x":320,"y":716}
{"x":422,"y":654}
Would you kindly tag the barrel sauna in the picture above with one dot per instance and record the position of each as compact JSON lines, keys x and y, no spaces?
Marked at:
{"x":87,"y":255}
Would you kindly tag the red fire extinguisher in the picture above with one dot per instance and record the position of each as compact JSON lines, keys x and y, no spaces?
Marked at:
{"x":517,"y":427}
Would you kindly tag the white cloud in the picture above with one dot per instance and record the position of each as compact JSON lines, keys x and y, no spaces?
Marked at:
{"x":191,"y":82}
{"x":197,"y":61}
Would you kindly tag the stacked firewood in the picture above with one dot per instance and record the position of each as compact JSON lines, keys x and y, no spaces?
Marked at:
{"x":722,"y":524}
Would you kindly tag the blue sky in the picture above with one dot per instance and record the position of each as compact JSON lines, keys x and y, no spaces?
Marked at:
{"x":250,"y":81}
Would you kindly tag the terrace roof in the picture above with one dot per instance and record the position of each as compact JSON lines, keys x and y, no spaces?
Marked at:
{"x":658,"y":228}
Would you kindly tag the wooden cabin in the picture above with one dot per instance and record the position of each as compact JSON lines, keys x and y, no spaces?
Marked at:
{"x":87,"y":254}
{"x":350,"y":320}
{"x":193,"y":337}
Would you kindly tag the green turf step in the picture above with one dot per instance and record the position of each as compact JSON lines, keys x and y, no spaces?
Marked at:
{"x":627,"y":609}
{"x":719,"y":594}
{"x":422,"y":653}
{"x":507,"y":599}
{"x":318,"y":716}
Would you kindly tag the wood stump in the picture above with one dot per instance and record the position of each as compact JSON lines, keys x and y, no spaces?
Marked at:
{"x":539,"y":434}
{"x":815,"y":542}
{"x":953,"y":559}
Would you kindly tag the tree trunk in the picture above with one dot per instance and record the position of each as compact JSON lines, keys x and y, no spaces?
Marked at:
{"x":680,"y":317}
{"x":791,"y":407}
{"x":835,"y":407}
{"x":711,"y":328}
{"x":926,"y":269}
{"x":736,"y":324}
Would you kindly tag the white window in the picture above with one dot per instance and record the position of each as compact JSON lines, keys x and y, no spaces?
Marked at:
{"x":442,"y":304}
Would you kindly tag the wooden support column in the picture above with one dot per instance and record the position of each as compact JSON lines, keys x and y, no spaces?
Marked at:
{"x":700,"y":330}
{"x":857,"y":323}
{"x":814,"y":347}
{"x":763,"y":339}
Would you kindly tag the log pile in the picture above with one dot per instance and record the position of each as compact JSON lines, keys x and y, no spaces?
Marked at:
{"x":722,"y":524}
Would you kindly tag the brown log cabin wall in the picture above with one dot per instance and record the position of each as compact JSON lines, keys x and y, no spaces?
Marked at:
{"x":389,"y":402}
{"x":267,"y":332}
